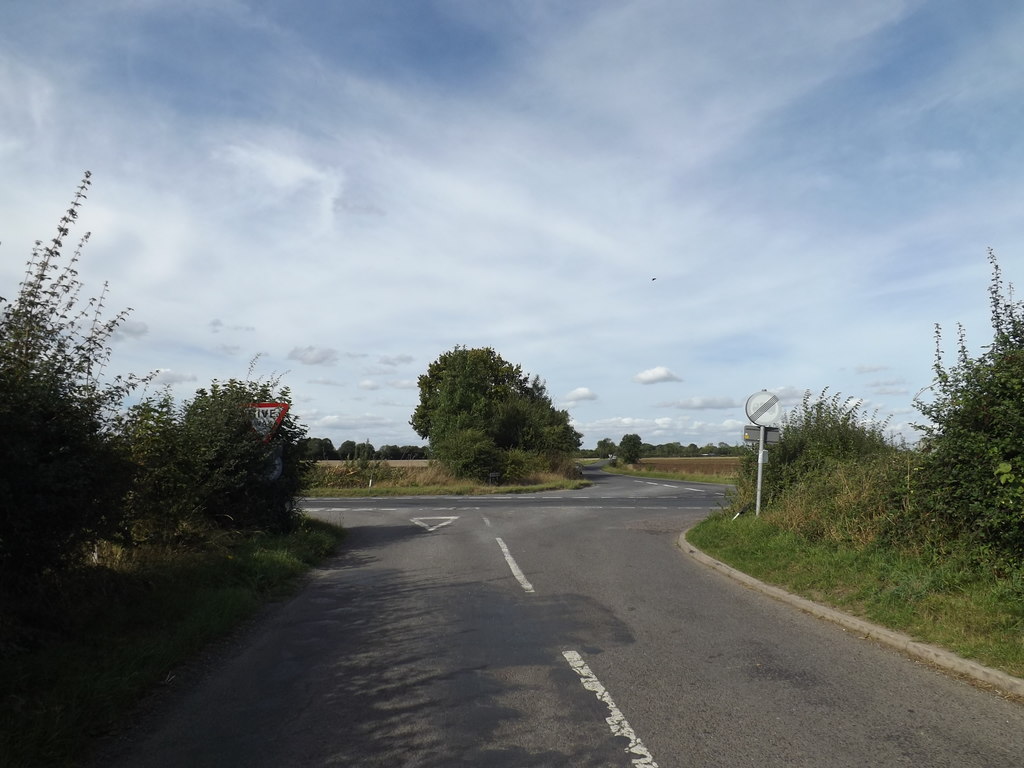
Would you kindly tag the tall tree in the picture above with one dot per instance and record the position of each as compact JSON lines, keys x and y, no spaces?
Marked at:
{"x":630,"y":448}
{"x":476,"y":409}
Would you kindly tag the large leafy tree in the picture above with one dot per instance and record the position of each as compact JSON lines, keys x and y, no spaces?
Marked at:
{"x":482,"y":414}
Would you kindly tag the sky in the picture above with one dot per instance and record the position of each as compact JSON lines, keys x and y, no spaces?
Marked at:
{"x":659,"y":207}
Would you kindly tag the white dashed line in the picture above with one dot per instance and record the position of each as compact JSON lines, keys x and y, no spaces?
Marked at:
{"x":526,"y":585}
{"x":617,"y":721}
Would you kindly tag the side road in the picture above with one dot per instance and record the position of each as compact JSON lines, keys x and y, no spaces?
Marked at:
{"x":939,"y":657}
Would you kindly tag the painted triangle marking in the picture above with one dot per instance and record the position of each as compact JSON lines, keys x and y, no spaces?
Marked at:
{"x":430,"y":522}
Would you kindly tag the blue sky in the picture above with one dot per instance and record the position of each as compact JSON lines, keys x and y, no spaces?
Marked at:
{"x":349,"y":189}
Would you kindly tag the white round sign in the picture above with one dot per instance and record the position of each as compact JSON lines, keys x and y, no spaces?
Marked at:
{"x":763,"y":408}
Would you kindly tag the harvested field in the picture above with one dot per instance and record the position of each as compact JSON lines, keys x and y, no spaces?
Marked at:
{"x":697,"y":465}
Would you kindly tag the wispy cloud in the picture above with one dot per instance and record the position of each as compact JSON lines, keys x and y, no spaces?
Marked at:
{"x":166,"y":376}
{"x":811,"y":197}
{"x":656,"y":375}
{"x":395,"y":360}
{"x":314,"y":355}
{"x":703,"y":404}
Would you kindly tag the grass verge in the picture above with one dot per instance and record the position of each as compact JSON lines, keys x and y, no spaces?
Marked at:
{"x":461,"y":489}
{"x":364,"y":479}
{"x":944,"y":601}
{"x":76,"y":659}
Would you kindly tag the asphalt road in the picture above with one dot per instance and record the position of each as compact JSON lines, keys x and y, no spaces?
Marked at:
{"x":563,"y":629}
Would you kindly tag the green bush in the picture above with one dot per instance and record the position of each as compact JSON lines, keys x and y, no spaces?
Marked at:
{"x":203,"y":463}
{"x":468,"y":453}
{"x":972,"y":470}
{"x":519,"y":465}
{"x":64,"y":475}
{"x":816,"y":436}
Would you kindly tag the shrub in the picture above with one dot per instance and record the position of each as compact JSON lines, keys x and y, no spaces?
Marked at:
{"x":468,"y":453}
{"x":816,"y":436}
{"x":519,"y":465}
{"x":63,"y":473}
{"x":201,"y":463}
{"x":238,"y":480}
{"x":973,"y":465}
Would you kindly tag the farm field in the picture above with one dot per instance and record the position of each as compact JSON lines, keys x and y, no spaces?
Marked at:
{"x":697,"y":469}
{"x":695,"y":465}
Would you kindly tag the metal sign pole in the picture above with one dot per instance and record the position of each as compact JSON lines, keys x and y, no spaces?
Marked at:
{"x":762,"y":408}
{"x":760,"y":471}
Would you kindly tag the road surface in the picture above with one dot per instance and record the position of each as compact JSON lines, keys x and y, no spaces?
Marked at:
{"x":560,"y":629}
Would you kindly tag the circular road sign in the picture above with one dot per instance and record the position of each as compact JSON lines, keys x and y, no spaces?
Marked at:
{"x":763,"y":408}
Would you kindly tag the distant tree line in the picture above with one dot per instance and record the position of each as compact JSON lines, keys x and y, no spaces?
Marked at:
{"x":606,"y":448}
{"x":322,"y":449}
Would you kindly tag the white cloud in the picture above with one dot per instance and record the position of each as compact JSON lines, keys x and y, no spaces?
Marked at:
{"x":765,"y":163}
{"x":395,"y":360}
{"x":579,"y":395}
{"x":314,"y":355}
{"x":131,"y":329}
{"x":655,"y":376}
{"x":327,"y":382}
{"x":703,"y":403}
{"x":167,"y":376}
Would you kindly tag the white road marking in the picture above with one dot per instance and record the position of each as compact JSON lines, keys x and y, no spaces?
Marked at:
{"x":487,"y":522}
{"x":433,"y":526}
{"x":309,"y":508}
{"x":617,"y":721}
{"x":526,"y":585}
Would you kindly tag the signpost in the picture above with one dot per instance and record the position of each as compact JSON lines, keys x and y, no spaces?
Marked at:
{"x":266,"y":418}
{"x":763,"y":409}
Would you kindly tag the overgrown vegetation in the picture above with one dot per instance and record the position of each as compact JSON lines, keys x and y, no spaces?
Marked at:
{"x":927,"y":539}
{"x":200,"y":464}
{"x":63,"y":475}
{"x":128,"y":537}
{"x":972,"y":468}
